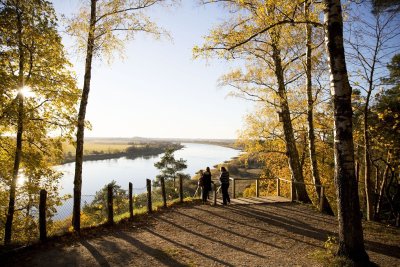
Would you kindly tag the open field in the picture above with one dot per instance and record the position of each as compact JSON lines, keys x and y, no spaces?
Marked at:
{"x":91,"y":147}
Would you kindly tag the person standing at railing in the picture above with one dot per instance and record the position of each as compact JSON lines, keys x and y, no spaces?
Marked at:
{"x":206,"y":184}
{"x":224,"y":179}
{"x":200,"y":184}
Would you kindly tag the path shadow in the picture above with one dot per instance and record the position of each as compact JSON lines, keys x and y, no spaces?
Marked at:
{"x":232,"y":220}
{"x":288,"y":225}
{"x":251,"y":239}
{"x":384,"y":249}
{"x":95,"y":253}
{"x":158,"y":254}
{"x":211,"y":239}
{"x":292,"y":207}
{"x":189,"y":248}
{"x":309,"y":231}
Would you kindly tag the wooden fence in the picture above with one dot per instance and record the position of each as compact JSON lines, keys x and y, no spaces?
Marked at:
{"x":110,"y":198}
{"x":278,"y":188}
{"x":110,"y":204}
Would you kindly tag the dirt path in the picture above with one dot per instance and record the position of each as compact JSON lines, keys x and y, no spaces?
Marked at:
{"x":281,"y":234}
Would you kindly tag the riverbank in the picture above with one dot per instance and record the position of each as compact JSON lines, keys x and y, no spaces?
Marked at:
{"x":103,"y":150}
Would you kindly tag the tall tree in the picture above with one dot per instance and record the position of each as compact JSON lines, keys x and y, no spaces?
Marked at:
{"x":32,"y":55}
{"x":370,"y":47}
{"x":386,"y":130}
{"x":310,"y":113}
{"x":351,"y":240}
{"x":100,"y":29}
{"x":251,"y":37}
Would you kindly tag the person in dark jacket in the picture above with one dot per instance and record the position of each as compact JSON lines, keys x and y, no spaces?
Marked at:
{"x":224,"y":179}
{"x":206,"y":184}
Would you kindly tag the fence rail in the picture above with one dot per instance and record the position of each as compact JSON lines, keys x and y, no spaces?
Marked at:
{"x":278,"y":180}
{"x":47,"y":219}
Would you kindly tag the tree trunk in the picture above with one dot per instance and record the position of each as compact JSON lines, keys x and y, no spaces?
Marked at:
{"x":382,"y":189}
{"x":369,"y":199}
{"x":20,"y":129}
{"x":291,"y":150}
{"x":357,"y":171}
{"x":351,"y":240}
{"x":376,"y":187}
{"x":326,"y":208}
{"x":76,"y":220}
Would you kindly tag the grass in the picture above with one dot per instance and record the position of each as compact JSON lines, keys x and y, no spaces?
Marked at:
{"x":93,"y":148}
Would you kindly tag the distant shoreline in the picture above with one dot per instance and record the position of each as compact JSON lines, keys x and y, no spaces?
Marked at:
{"x":130,"y":153}
{"x":143,"y":152}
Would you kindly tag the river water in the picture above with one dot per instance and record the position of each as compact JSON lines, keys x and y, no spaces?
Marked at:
{"x":96,"y":174}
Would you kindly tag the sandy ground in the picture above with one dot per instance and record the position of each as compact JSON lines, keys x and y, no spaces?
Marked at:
{"x":277,"y":234}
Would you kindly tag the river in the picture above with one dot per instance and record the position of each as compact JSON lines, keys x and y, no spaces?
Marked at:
{"x":96,"y":174}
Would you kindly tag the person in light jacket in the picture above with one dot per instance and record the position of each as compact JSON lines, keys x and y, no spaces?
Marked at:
{"x":224,"y":179}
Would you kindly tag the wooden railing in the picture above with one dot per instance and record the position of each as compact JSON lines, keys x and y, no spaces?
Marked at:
{"x":278,"y":191}
{"x":110,"y":204}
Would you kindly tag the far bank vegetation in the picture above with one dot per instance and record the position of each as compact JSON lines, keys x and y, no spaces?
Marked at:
{"x":99,"y":149}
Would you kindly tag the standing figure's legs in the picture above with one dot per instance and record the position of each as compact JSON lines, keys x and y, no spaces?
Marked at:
{"x":225,"y":196}
{"x":204,"y":195}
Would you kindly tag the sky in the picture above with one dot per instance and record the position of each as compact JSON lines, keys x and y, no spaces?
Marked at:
{"x":158,"y":90}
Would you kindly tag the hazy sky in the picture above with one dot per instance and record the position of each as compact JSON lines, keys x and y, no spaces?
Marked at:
{"x":158,"y":90}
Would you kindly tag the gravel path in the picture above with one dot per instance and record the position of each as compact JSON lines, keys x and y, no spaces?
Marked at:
{"x":280,"y":234}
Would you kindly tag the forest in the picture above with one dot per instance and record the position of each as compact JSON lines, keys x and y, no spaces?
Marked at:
{"x":323,"y":76}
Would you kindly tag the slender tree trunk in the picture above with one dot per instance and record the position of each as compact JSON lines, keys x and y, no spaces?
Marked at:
{"x":382,"y":188}
{"x":357,"y":171}
{"x":291,"y":149}
{"x":367,"y":164}
{"x":20,"y":129}
{"x":376,"y":187}
{"x":310,"y":117}
{"x":76,"y":220}
{"x":351,"y":240}
{"x":369,"y":199}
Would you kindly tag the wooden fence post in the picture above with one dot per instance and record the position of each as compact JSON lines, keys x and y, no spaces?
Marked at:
{"x":233,"y":188}
{"x":278,"y":187}
{"x":164,"y":195}
{"x":130,"y":201}
{"x":321,"y":199}
{"x":215,"y":194}
{"x":257,"y":188}
{"x":149,"y":203}
{"x":42,"y":215}
{"x":180,"y":189}
{"x":110,"y":204}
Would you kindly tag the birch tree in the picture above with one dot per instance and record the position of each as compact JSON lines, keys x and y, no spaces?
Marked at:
{"x":31,"y":54}
{"x":101,"y":28}
{"x":351,"y":241}
{"x":310,"y":112}
{"x":274,"y":48}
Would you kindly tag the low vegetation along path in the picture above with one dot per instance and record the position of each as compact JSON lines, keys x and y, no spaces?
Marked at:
{"x":268,"y":234}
